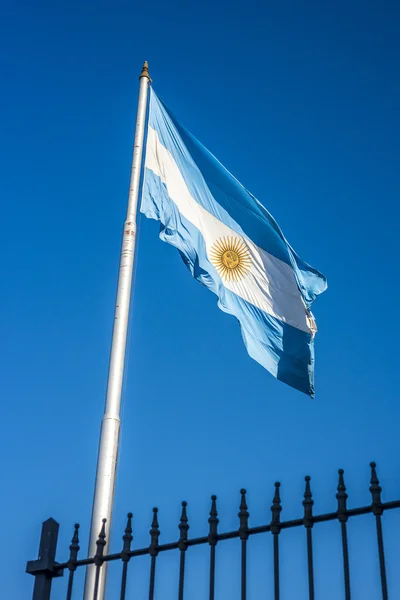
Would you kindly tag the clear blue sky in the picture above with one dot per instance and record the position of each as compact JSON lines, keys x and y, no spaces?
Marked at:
{"x":300,"y":101}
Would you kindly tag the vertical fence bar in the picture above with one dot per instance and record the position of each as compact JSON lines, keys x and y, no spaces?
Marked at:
{"x":43,"y":568}
{"x":154,"y":535}
{"x":341,"y":497}
{"x":377,"y":510}
{"x":212,"y":540}
{"x":308,"y":523}
{"x":73,"y":557}
{"x":125,"y":557}
{"x":276,"y":509}
{"x":183,"y":528}
{"x":98,"y":558}
{"x":244,"y":536}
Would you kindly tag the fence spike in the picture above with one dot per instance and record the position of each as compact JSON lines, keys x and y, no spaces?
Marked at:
{"x":308,"y":524}
{"x":127,"y":538}
{"x":154,"y":534}
{"x":74,"y":547}
{"x":308,"y":503}
{"x":213,"y":521}
{"x":341,"y":498}
{"x":243,"y":516}
{"x":212,"y":540}
{"x":125,"y":554}
{"x":182,"y":545}
{"x":100,"y":543}
{"x":376,"y":491}
{"x":73,"y":556}
{"x":377,"y":510}
{"x":276,"y":509}
{"x":153,"y":551}
{"x":244,"y":536}
{"x":183,"y":528}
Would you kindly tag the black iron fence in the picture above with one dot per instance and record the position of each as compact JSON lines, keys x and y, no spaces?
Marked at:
{"x":46,"y":568}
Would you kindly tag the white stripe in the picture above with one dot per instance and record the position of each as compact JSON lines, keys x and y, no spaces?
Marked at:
{"x":270,"y":283}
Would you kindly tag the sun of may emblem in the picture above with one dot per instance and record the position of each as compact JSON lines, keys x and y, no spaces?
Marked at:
{"x":231,"y":257}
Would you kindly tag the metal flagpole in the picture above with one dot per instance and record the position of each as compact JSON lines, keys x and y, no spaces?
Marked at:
{"x":109,"y":437}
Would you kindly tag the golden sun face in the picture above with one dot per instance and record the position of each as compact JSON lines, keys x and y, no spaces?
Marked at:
{"x":231,"y":257}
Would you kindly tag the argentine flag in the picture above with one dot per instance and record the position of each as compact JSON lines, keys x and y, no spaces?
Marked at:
{"x":233,"y":246}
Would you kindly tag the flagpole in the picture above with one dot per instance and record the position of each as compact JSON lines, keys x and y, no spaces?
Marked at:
{"x":109,"y":437}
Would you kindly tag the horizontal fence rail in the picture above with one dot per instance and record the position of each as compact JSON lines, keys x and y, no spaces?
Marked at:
{"x":46,"y":568}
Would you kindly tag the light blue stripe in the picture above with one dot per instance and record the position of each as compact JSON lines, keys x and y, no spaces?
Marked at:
{"x":286,"y":352}
{"x":214,"y":188}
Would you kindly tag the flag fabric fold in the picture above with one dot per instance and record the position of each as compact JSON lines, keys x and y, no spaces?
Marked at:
{"x":233,"y":246}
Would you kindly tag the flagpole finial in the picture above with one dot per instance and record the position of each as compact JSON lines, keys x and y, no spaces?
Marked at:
{"x":145,"y":71}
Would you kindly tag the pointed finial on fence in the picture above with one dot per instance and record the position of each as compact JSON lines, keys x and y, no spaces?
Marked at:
{"x":213,"y":521}
{"x":74,"y":549}
{"x":375,"y":490}
{"x":243,"y":517}
{"x":100,"y":543}
{"x":341,"y":498}
{"x":308,"y":503}
{"x":154,"y":534}
{"x":276,"y":509}
{"x":183,"y":528}
{"x":127,"y":539}
{"x":145,"y":71}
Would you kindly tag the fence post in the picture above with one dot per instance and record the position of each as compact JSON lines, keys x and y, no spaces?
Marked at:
{"x":43,"y":568}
